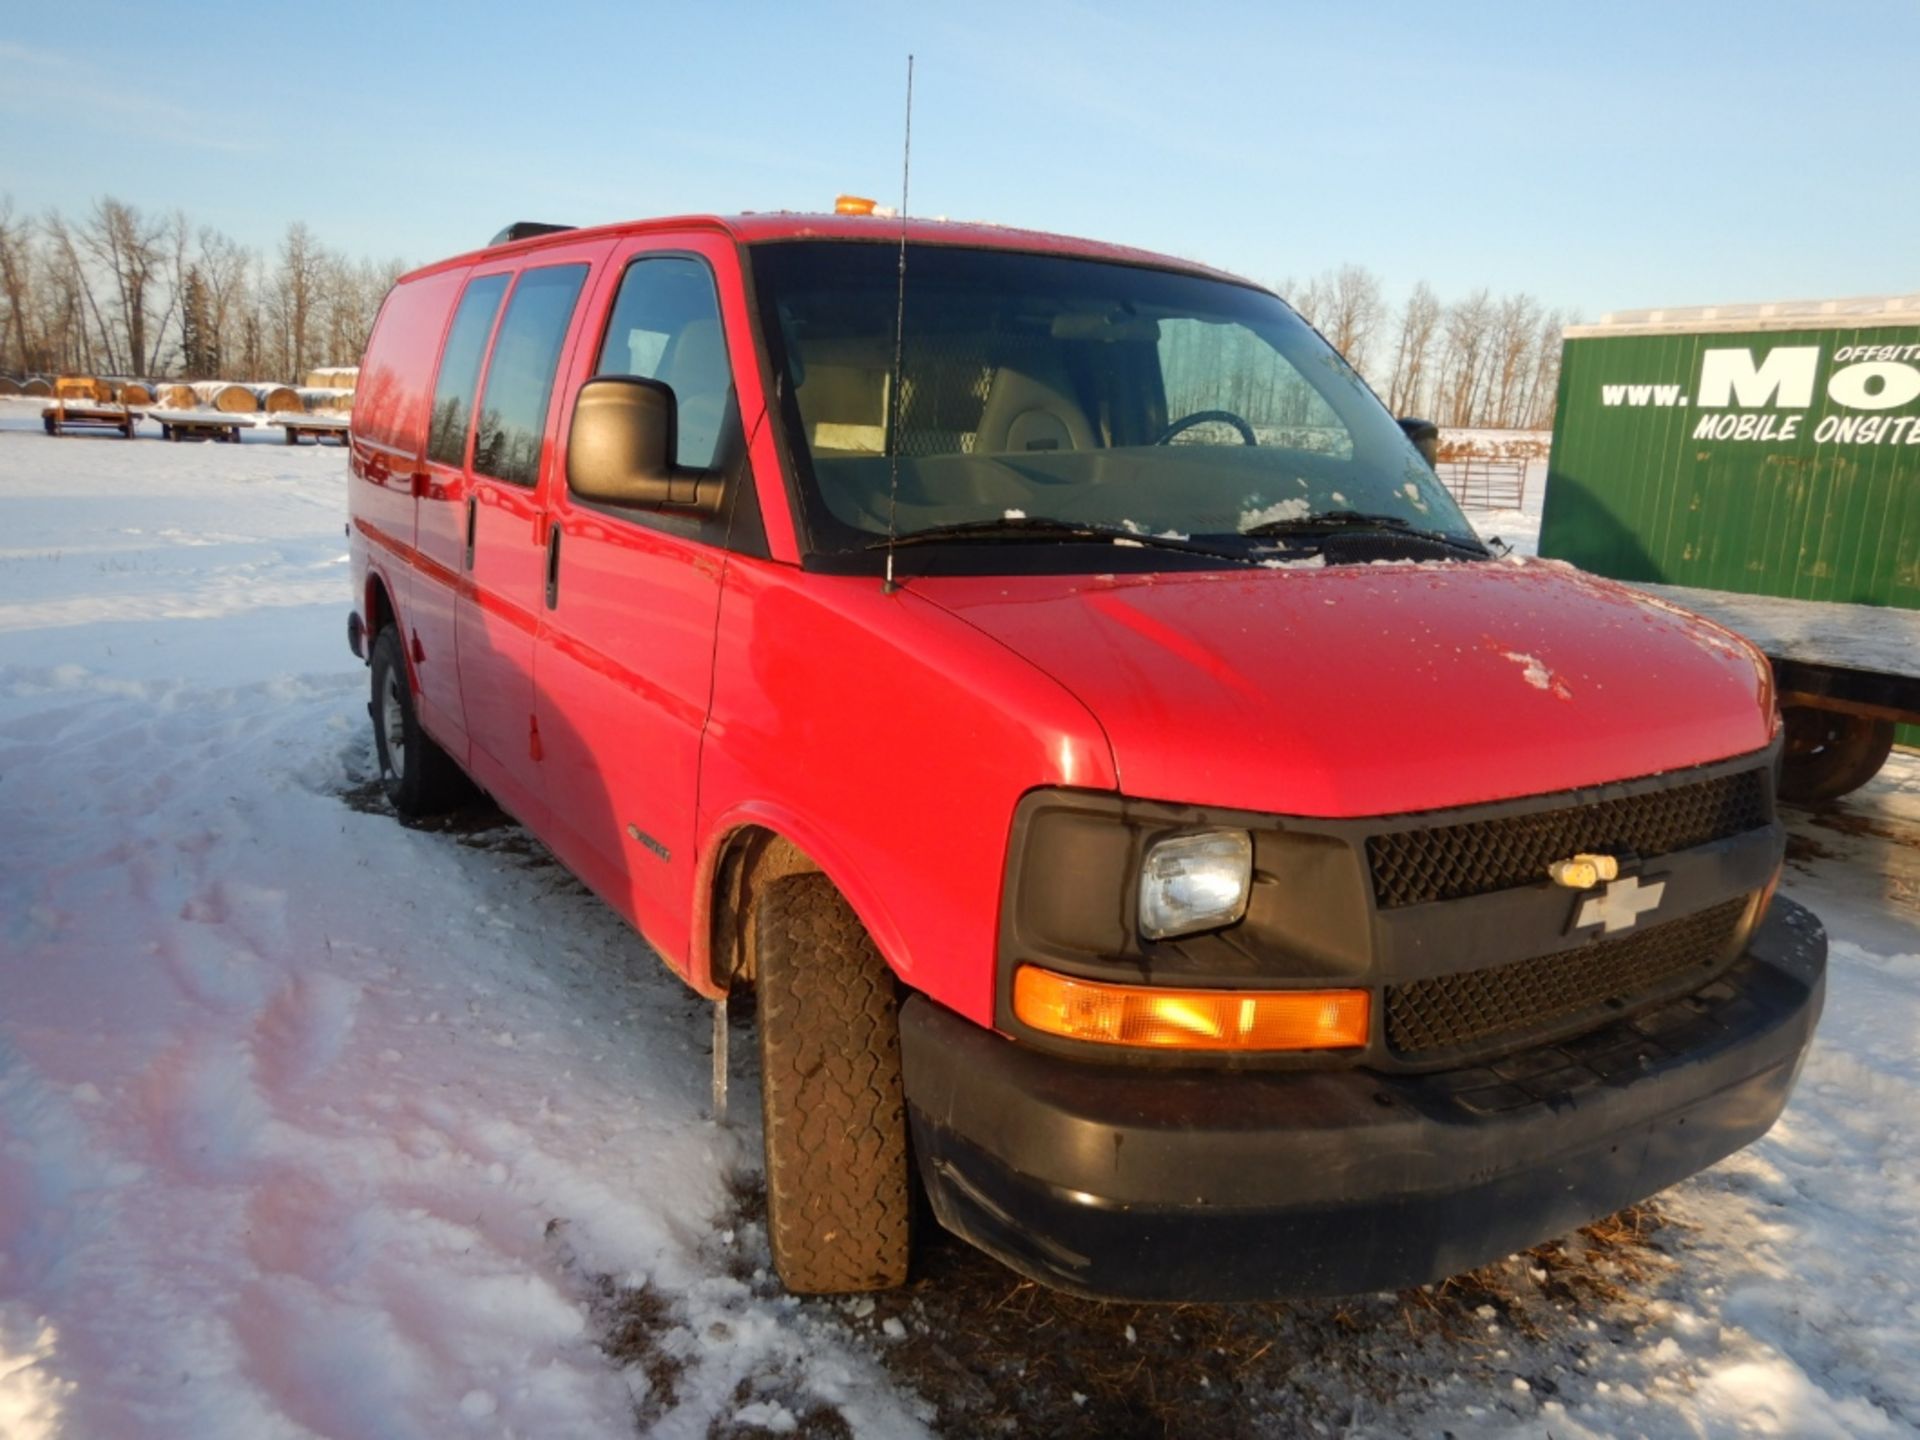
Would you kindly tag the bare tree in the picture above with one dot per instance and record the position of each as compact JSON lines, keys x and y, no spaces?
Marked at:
{"x":297,"y":288}
{"x":175,"y":239}
{"x":131,"y":250}
{"x":1463,"y":352}
{"x":1352,"y":312}
{"x":224,"y":265}
{"x":77,"y":306}
{"x":16,"y":286}
{"x":1515,"y":329}
{"x":1412,"y":351}
{"x":1544,"y":381}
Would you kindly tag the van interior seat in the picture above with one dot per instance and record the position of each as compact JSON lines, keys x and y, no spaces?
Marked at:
{"x":1031,"y":407}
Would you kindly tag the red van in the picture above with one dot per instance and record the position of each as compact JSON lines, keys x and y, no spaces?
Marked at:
{"x":1149,"y":818}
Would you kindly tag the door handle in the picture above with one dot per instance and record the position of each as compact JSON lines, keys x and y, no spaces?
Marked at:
{"x":553,"y":567}
{"x":473,"y":519}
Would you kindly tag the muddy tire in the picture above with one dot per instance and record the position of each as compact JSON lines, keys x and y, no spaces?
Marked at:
{"x":1829,"y":754}
{"x":838,"y":1197}
{"x":419,"y":777}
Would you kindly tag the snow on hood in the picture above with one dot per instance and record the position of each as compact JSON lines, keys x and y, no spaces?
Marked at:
{"x":1379,"y":689}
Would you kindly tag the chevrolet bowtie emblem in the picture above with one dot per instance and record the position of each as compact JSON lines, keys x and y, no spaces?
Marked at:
{"x":1621,"y":904}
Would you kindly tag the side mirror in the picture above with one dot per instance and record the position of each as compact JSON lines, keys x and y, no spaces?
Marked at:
{"x":1425,"y":436}
{"x":620,"y":449}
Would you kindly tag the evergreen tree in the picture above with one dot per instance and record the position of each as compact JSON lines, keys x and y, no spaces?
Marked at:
{"x":199,"y":349}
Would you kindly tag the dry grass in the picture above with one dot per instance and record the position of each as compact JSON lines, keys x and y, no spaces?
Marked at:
{"x":1522,"y":447}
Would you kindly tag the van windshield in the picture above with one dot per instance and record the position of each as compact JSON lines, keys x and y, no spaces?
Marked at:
{"x":1106,"y":396}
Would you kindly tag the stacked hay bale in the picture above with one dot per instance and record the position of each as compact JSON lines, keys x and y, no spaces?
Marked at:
{"x":169,"y":395}
{"x":225,"y":396}
{"x":38,"y":386}
{"x":275,"y":398}
{"x":9,"y":385}
{"x":135,"y":392}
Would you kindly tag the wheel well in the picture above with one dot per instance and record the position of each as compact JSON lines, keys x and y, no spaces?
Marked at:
{"x":754,"y":857}
{"x":379,"y":608}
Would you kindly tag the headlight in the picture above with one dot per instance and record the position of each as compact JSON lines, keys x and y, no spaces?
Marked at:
{"x":1195,"y":882}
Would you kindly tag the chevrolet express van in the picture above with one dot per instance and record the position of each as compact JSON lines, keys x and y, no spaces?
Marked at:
{"x":1149,"y":818}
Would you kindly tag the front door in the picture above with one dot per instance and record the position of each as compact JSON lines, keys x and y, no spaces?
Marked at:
{"x":626,"y":655}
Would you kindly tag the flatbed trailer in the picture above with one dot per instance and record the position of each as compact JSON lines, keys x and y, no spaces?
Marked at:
{"x":200,"y":424}
{"x":64,"y":415}
{"x":319,"y":427}
{"x":1830,"y":660}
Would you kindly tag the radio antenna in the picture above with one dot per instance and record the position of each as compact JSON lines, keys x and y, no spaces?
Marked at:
{"x":899,"y":347}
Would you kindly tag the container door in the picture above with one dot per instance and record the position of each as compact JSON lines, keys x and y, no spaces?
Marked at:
{"x":508,"y":554}
{"x":626,"y":656}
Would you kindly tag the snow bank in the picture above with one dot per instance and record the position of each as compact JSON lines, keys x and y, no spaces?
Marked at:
{"x":312,"y":1124}
{"x":289,"y":1095}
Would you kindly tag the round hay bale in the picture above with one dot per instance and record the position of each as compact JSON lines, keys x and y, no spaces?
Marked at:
{"x":333,"y":377}
{"x":325,"y":400}
{"x":275,"y":398}
{"x":135,"y":393}
{"x":169,"y":396}
{"x":9,"y":385}
{"x":37,"y":387}
{"x":222,"y":395}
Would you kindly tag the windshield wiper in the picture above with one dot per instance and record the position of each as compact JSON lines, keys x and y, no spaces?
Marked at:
{"x":1332,"y":521}
{"x":1044,"y":528}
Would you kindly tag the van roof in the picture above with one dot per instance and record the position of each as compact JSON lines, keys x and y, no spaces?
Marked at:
{"x":753,"y":229}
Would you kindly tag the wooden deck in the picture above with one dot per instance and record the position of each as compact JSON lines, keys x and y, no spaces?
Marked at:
{"x":65,"y":415}
{"x":318,"y":427}
{"x":200,"y":424}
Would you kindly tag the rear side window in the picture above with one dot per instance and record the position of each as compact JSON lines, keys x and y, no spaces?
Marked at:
{"x":513,"y":413}
{"x":666,"y":326}
{"x":396,"y":376}
{"x":460,"y":368}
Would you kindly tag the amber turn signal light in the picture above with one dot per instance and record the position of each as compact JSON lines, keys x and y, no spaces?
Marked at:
{"x":1157,"y":1018}
{"x":852,"y":205}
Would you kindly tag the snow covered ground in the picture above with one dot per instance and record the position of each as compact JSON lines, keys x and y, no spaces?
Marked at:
{"x":311,"y":1124}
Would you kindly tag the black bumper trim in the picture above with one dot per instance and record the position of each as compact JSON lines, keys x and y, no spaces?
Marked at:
{"x":1130,"y":1182}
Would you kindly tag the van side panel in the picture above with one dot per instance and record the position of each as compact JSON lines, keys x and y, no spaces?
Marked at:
{"x":388,"y":439}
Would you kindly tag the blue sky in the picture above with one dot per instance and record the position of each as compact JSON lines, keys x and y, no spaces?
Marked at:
{"x":1599,"y":156}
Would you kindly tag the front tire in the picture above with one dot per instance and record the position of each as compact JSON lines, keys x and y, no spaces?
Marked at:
{"x":839,"y":1200}
{"x":419,"y":777}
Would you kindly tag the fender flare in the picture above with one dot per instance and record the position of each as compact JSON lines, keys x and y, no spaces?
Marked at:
{"x":378,"y":575}
{"x":817,"y":846}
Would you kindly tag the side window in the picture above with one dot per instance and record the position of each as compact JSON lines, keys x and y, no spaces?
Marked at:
{"x":1210,"y":367}
{"x":460,"y":368}
{"x":666,"y":326}
{"x":513,"y":412}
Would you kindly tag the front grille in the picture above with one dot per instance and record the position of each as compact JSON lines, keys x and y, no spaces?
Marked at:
{"x":1451,"y":862}
{"x":1552,"y":993}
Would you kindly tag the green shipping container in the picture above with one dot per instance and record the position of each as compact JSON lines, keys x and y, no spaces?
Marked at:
{"x":1762,"y":449}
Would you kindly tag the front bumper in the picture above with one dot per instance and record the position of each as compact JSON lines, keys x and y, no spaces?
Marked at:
{"x":1120,"y":1181}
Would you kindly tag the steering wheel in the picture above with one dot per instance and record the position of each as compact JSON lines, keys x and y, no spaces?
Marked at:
{"x":1201,"y":417}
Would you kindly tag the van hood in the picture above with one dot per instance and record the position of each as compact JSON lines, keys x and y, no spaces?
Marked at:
{"x":1378,"y":689}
